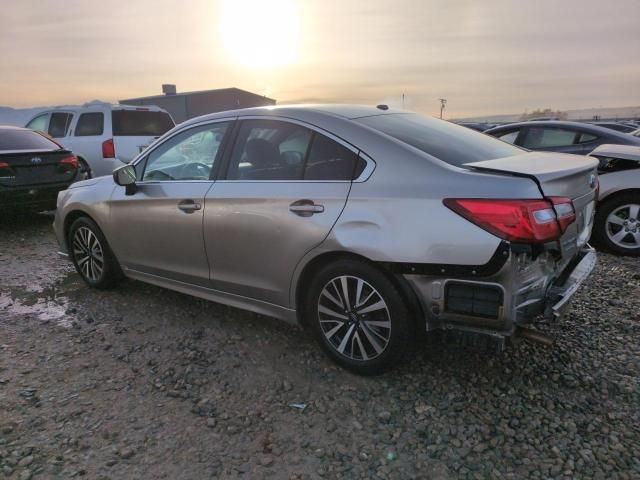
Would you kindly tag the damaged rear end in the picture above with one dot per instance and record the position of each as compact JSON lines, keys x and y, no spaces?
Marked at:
{"x":542,"y":259}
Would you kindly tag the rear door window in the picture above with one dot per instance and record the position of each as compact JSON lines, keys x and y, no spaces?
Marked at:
{"x":269,"y":150}
{"x":90,"y":124}
{"x":39,"y":123}
{"x":328,"y":160}
{"x":546,"y":137}
{"x":140,"y":123}
{"x":509,"y":137}
{"x":586,"y":137}
{"x":59,"y":124}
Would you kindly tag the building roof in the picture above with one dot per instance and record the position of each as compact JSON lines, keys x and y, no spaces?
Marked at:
{"x":182,"y":94}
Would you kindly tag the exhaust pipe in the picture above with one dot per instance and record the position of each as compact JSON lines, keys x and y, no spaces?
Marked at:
{"x":534,"y":336}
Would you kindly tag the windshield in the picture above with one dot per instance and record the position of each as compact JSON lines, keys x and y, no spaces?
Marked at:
{"x":140,"y":123}
{"x":446,"y":141}
{"x":11,"y":139}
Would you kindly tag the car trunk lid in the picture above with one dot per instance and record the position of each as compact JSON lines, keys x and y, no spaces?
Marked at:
{"x":26,"y":168}
{"x":557,"y":175}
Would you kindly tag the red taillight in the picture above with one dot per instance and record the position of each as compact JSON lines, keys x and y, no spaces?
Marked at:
{"x":521,"y":221}
{"x":4,"y":165}
{"x":71,"y":161}
{"x":108,"y":149}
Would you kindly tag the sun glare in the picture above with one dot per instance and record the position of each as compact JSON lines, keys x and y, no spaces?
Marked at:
{"x":260,"y":34}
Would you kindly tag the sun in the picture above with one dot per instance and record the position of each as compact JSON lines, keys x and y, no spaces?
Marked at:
{"x":260,"y":34}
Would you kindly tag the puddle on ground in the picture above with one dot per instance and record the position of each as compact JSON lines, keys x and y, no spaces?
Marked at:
{"x":44,"y":310}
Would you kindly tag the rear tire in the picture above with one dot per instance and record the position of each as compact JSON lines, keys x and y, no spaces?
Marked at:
{"x":92,"y":256}
{"x":617,"y":224}
{"x":359,"y":317}
{"x":85,"y":170}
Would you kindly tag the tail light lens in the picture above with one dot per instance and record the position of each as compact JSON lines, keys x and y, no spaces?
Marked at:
{"x":108,"y":149}
{"x":71,"y":161}
{"x":5,"y":170}
{"x":520,"y":221}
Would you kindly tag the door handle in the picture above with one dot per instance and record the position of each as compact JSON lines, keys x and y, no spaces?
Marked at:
{"x":189,"y":206}
{"x":305,"y":208}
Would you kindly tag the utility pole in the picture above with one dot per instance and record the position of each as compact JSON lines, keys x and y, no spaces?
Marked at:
{"x":403,"y":101}
{"x":443,"y":102}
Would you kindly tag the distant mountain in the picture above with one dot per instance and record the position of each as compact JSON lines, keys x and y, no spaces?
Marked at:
{"x":18,"y":116}
{"x":604,"y":113}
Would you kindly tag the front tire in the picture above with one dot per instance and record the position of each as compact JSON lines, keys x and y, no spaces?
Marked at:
{"x":92,"y":256}
{"x":359,"y":317}
{"x":617,"y":224}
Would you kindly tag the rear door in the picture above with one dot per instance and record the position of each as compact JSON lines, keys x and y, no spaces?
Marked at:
{"x":134,"y":130}
{"x":284,"y":189}
{"x":159,"y":228}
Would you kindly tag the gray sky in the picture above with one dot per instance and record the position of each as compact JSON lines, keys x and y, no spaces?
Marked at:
{"x":489,"y":56}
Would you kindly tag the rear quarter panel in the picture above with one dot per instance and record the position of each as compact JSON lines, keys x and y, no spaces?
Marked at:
{"x":616,"y":182}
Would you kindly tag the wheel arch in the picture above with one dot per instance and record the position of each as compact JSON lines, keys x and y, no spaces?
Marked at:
{"x":615,"y":193}
{"x":317,"y":262}
{"x":71,"y":217}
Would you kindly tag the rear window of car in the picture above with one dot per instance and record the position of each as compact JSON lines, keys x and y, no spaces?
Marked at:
{"x":11,"y":139}
{"x":140,"y":123}
{"x":451,"y":143}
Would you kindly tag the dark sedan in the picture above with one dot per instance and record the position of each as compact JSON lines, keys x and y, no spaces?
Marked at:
{"x":33,"y":169}
{"x":559,"y":136}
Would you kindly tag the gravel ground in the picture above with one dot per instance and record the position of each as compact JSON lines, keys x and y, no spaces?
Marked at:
{"x":141,"y":382}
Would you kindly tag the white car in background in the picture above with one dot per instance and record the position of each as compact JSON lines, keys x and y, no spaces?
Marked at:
{"x":617,"y":221}
{"x":101,"y":135}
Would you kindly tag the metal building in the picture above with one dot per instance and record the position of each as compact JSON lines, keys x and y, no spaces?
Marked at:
{"x":183,"y":106}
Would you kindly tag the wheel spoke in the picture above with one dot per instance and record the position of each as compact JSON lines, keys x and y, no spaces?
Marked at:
{"x":378,"y":323}
{"x":633,"y":211}
{"x":619,"y":236}
{"x":636,"y":238}
{"x":335,"y":300}
{"x":379,"y":305}
{"x":359,"y":291}
{"x":346,"y":338}
{"x":615,"y":220}
{"x":345,"y":292}
{"x":331,"y":313}
{"x":363,"y":352}
{"x":374,"y":343}
{"x":333,"y":331}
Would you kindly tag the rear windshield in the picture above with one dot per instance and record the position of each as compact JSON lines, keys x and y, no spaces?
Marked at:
{"x":446,"y":141}
{"x":11,"y":139}
{"x":140,"y":123}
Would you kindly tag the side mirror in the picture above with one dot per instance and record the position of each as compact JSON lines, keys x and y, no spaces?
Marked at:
{"x":125,"y":176}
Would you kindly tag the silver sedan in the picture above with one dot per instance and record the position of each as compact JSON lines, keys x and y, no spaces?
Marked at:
{"x":366,"y":225}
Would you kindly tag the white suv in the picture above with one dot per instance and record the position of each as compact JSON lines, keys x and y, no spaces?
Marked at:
{"x":103,"y":136}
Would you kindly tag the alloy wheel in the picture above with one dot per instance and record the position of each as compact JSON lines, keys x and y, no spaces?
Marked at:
{"x":354,"y":318}
{"x":88,"y":253}
{"x":623,"y":226}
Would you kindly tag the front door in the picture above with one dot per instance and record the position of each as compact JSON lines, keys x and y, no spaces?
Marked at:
{"x":158,"y":229}
{"x":284,"y":189}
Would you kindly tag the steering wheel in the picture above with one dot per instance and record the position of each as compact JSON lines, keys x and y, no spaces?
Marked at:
{"x":195,"y":171}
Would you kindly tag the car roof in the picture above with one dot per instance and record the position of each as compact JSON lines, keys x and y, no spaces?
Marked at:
{"x":589,"y":127}
{"x":12,"y":127}
{"x":344,"y":111}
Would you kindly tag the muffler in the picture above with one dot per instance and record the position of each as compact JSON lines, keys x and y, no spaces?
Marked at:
{"x":534,"y":336}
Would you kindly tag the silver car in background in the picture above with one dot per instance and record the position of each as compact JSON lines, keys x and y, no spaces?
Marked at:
{"x":365,"y":225}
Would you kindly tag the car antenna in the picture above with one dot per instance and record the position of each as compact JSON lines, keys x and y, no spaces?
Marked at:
{"x":382,"y":107}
